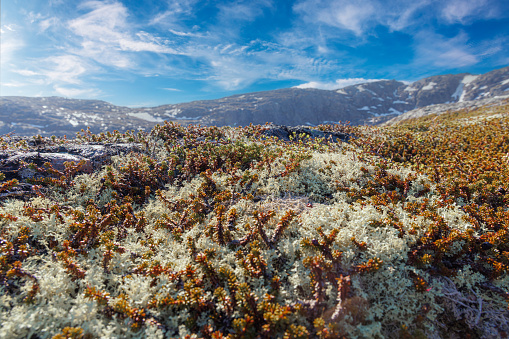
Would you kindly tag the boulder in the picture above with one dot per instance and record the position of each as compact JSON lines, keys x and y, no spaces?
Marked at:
{"x":299,"y":132}
{"x":94,"y":155}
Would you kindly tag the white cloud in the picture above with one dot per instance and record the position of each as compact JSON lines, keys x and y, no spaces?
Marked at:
{"x":68,"y":69}
{"x":47,"y":23}
{"x":456,"y":57}
{"x":462,"y":11}
{"x":144,"y":46}
{"x":44,"y":22}
{"x":230,"y":73}
{"x":10,"y":43}
{"x":26,"y":72}
{"x":106,"y":36}
{"x":318,"y":85}
{"x":362,"y":16}
{"x":186,"y":34}
{"x":437,"y":50}
{"x":12,"y":84}
{"x":76,"y":92}
{"x":56,"y":2}
{"x":176,"y":10}
{"x":65,"y":68}
{"x":402,"y":15}
{"x":242,"y":10}
{"x":33,"y":17}
{"x":172,"y":89}
{"x":233,"y":66}
{"x":351,"y":16}
{"x":339,"y":83}
{"x":105,"y":22}
{"x":346,"y":14}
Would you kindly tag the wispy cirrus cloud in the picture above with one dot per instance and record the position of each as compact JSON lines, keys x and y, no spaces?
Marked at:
{"x":72,"y":92}
{"x":90,"y":44}
{"x":403,"y":14}
{"x":233,"y":66}
{"x":65,"y":68}
{"x":360,"y":17}
{"x":435,"y":49}
{"x":45,"y":24}
{"x":355,"y":23}
{"x":174,"y":13}
{"x":106,"y":33}
{"x":12,"y":84}
{"x":463,"y":11}
{"x":58,"y":71}
{"x":351,"y":15}
{"x":186,"y":34}
{"x":439,"y":52}
{"x":26,"y":72}
{"x":57,"y":75}
{"x":246,"y":10}
{"x":10,"y":43}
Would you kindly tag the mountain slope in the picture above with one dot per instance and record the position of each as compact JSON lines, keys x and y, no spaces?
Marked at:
{"x":368,"y":103}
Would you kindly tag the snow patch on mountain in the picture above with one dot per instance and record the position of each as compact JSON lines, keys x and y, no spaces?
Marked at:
{"x":459,"y":94}
{"x":467,"y":80}
{"x":361,"y":88}
{"x":145,"y":116}
{"x":189,"y":118}
{"x":459,"y":91}
{"x":172,"y":112}
{"x":73,"y":122}
{"x":429,"y":86}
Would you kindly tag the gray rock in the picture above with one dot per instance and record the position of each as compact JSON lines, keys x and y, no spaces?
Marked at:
{"x":94,"y":155}
{"x":299,"y":132}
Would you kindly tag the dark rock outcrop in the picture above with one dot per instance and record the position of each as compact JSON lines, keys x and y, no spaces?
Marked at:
{"x":299,"y":132}
{"x":18,"y":164}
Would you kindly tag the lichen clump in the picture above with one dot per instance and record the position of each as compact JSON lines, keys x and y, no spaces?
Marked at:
{"x":222,"y":232}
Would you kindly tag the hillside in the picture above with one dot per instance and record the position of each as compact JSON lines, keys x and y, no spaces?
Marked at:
{"x":338,"y":231}
{"x":369,"y":103}
{"x":451,"y":107}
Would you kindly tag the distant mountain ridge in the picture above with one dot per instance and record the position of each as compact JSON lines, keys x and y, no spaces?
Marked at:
{"x":368,"y":103}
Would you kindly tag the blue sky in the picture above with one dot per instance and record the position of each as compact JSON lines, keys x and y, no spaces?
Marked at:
{"x":147,"y":53}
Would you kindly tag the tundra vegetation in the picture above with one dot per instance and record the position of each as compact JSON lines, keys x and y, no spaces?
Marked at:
{"x":208,"y":232}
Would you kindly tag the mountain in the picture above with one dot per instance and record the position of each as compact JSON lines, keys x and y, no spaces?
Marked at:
{"x":490,"y":104}
{"x":368,"y":103}
{"x":60,"y":116}
{"x":473,"y":91}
